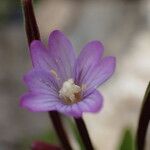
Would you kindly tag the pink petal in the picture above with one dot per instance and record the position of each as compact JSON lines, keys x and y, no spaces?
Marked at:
{"x":89,"y":56}
{"x":39,"y":102}
{"x":90,"y":69}
{"x":62,"y":54}
{"x":40,"y":81}
{"x":92,"y":103}
{"x":100,"y":72}
{"x":40,"y":57}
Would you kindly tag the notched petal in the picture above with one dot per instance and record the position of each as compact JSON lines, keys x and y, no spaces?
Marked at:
{"x":89,"y":57}
{"x":38,"y":102}
{"x":41,"y":81}
{"x":62,"y":53}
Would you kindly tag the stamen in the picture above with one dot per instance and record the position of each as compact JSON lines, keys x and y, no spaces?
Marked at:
{"x":54,"y":73}
{"x":83,"y":87}
{"x":70,"y":92}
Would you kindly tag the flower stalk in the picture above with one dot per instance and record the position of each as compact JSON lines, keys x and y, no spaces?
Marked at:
{"x":84,"y":133}
{"x":32,"y":33}
{"x":31,"y":26}
{"x":143,"y":121}
{"x":56,"y":120}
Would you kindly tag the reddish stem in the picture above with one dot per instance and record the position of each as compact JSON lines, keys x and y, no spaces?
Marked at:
{"x":32,"y":32}
{"x":84,"y":133}
{"x":143,"y":121}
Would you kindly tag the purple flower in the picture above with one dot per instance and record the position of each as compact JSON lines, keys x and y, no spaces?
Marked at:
{"x":60,"y":81}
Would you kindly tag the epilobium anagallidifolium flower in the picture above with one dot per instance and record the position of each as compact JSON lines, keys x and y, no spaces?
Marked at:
{"x":60,"y":81}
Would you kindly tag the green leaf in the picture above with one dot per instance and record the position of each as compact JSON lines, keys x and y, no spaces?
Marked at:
{"x":127,"y":142}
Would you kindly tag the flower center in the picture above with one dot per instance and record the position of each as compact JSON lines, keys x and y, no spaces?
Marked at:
{"x":70,"y":92}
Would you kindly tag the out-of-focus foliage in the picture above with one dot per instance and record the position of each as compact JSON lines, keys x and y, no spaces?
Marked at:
{"x":75,"y":133}
{"x":10,"y":10}
{"x":127,"y":142}
{"x":49,"y":137}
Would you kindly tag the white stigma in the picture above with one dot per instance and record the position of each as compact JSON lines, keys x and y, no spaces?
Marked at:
{"x":68,"y":90}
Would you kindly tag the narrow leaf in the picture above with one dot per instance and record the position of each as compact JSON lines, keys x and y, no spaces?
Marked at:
{"x":127,"y":142}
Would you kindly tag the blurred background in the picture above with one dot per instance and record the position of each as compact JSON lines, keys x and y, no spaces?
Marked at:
{"x":123,"y":26}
